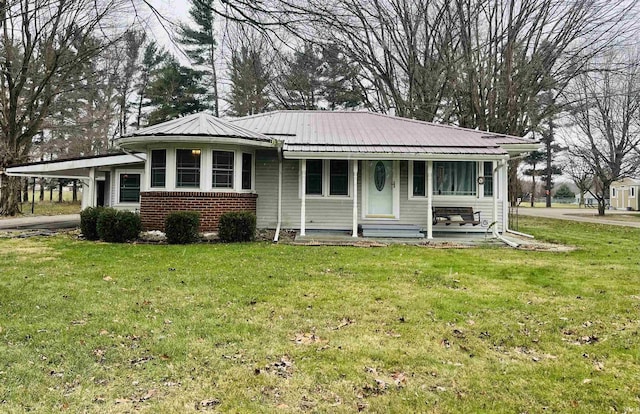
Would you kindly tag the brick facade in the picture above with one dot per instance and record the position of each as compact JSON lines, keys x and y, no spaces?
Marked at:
{"x":155,"y":205}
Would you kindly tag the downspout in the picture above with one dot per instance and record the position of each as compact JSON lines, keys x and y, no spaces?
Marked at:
{"x":279,"y":218}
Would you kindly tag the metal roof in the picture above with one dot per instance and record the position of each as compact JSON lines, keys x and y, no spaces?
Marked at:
{"x":358,"y":131}
{"x":201,"y":124}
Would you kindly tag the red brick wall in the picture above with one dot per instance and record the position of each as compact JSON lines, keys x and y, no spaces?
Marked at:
{"x":155,"y":205}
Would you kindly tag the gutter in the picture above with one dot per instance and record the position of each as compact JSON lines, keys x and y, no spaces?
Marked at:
{"x":279,"y":220}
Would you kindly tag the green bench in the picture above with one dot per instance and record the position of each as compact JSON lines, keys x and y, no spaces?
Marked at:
{"x":455,"y":215}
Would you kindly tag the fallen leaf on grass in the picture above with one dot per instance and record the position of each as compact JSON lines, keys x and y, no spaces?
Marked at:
{"x":210,"y":403}
{"x":307,"y":339}
{"x":399,"y":378}
{"x":344,"y":322}
{"x":78,"y":322}
{"x":107,"y":278}
{"x":104,"y":332}
{"x":392,"y":334}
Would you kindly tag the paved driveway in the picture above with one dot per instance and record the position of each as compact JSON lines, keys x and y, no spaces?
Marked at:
{"x":581,"y":214}
{"x":67,"y":221}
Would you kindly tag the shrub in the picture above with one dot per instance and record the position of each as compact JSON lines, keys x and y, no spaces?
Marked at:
{"x":237,"y":227}
{"x":118,"y":226}
{"x":89,"y":221}
{"x":181,"y":227}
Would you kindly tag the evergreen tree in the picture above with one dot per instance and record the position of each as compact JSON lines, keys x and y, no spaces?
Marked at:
{"x":534,"y":159}
{"x":301,"y":86}
{"x":152,"y":59}
{"x":249,"y":81}
{"x":340,"y":85}
{"x":175,"y":91}
{"x":201,"y":46}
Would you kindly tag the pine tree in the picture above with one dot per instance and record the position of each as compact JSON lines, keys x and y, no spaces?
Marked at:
{"x":249,"y":81}
{"x":201,"y":46}
{"x":152,"y":59}
{"x":340,"y":86}
{"x":175,"y":91}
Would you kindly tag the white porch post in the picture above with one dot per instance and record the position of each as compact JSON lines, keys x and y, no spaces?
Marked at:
{"x":355,"y":199}
{"x":494,"y":217}
{"x":92,"y":187}
{"x":303,"y":196}
{"x":429,"y":199}
{"x":504,"y":184}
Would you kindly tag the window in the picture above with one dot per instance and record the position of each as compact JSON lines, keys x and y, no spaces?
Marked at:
{"x":188,"y":168}
{"x":247,"y":168}
{"x":488,"y":178}
{"x":129,"y":188}
{"x":327,"y":178}
{"x":419,"y":178}
{"x":613,"y":192}
{"x":632,"y":191}
{"x":222,"y":167}
{"x":314,"y":177}
{"x":455,"y":177}
{"x":158,"y":168}
{"x":339,"y":177}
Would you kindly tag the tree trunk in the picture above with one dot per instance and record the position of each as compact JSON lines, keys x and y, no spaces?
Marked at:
{"x":533,"y":187}
{"x":42,"y":189}
{"x":9,"y":200}
{"x":59,"y":191}
{"x":75,"y":191}
{"x":25,"y":191}
{"x":601,"y":207}
{"x":51,"y":192}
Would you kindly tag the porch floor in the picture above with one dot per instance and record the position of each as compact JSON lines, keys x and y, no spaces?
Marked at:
{"x":337,"y":237}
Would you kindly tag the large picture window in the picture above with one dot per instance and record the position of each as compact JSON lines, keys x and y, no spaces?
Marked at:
{"x":188,"y":168}
{"x":455,"y":177}
{"x":222,"y":169}
{"x":129,"y":188}
{"x":158,"y":168}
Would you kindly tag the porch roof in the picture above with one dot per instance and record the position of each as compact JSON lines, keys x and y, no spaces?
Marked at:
{"x":368,"y":132}
{"x":77,"y":167}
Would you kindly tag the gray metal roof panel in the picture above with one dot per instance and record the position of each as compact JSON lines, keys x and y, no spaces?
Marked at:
{"x":201,"y":124}
{"x":394,"y":149}
{"x":367,"y":129}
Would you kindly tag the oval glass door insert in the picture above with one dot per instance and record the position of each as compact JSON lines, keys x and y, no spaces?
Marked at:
{"x":380,"y":175}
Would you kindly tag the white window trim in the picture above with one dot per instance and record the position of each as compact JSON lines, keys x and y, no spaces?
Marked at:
{"x":118,"y":173}
{"x":206,"y":168}
{"x":326,"y":183}
{"x":410,"y":186}
{"x":166,"y":169}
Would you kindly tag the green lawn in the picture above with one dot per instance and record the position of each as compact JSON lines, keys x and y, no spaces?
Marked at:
{"x":95,"y":327}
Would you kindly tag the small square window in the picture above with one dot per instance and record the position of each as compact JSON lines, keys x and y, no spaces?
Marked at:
{"x":129,"y":188}
{"x":158,"y":168}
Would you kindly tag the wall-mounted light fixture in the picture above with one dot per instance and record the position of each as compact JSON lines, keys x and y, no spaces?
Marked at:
{"x":195,"y":152}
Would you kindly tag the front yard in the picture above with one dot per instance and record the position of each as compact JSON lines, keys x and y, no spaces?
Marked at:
{"x":95,"y":327}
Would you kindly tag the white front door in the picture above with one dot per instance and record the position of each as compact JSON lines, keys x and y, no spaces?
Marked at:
{"x":381,"y":189}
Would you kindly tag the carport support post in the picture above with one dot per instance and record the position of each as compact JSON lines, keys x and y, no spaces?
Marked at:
{"x":303,"y":196}
{"x":33,"y":195}
{"x":92,"y":187}
{"x":430,"y":200}
{"x":355,"y":199}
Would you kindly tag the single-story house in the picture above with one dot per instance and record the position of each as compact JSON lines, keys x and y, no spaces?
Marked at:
{"x":624,"y":194}
{"x":305,"y":170}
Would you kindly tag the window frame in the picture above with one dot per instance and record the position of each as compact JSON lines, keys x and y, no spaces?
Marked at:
{"x":151,"y":168}
{"x":411,"y":177}
{"x":632,"y":192}
{"x":199,"y":175}
{"x":213,"y":169}
{"x":326,"y":180}
{"x":118,"y":186}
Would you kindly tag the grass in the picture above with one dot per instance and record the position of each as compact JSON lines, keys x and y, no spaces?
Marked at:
{"x":95,"y":327}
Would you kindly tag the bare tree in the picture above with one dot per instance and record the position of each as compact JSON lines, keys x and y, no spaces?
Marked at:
{"x":41,"y":44}
{"x":606,"y":113}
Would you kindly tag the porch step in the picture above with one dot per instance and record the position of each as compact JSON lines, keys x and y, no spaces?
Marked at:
{"x":406,"y":231}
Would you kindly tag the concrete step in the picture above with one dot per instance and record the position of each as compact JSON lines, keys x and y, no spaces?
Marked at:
{"x":408,"y":231}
